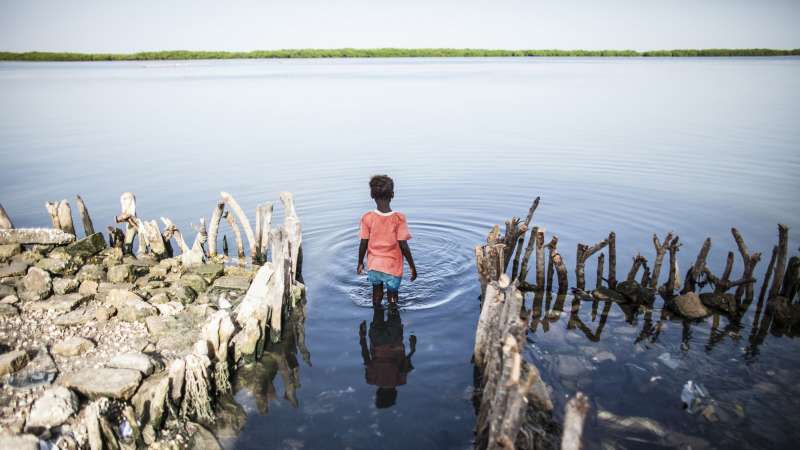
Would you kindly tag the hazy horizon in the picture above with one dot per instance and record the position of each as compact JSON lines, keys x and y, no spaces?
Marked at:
{"x":100,"y":26}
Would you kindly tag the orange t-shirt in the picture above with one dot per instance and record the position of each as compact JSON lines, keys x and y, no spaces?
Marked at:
{"x":383,"y":231}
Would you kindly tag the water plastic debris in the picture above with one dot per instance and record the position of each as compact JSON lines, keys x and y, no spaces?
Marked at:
{"x":125,"y":430}
{"x":691,"y":396}
{"x":667,"y":360}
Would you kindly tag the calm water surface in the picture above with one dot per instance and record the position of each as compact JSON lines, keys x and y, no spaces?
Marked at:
{"x":636,"y":146}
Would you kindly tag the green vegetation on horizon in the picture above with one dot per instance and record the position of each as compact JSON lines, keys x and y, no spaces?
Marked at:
{"x":382,"y":53}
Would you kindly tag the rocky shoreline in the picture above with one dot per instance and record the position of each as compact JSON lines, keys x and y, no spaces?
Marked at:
{"x":101,"y":348}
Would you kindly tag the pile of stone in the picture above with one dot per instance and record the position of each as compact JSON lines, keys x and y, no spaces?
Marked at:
{"x":101,"y":348}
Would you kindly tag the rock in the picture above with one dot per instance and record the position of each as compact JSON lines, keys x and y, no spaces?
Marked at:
{"x":15,"y":268}
{"x":41,"y":370}
{"x":157,"y":325}
{"x":570,"y":366}
{"x":194,"y":281}
{"x":86,"y":247}
{"x":245,"y":342}
{"x":9,"y":250}
{"x":79,"y":316}
{"x":605,"y":294}
{"x":104,"y":313}
{"x":182,"y":294}
{"x":130,"y":307}
{"x":35,"y":236}
{"x":135,"y":361}
{"x":169,"y":308}
{"x":57,"y":303}
{"x":104,"y":288}
{"x":9,"y":299}
{"x":233,"y":282}
{"x":160,"y":298}
{"x":121,"y":274}
{"x":88,"y":287}
{"x":73,"y":346}
{"x":631,"y":290}
{"x":149,"y":403}
{"x":104,"y":382}
{"x":111,"y":256}
{"x":710,"y":413}
{"x":29,"y":257}
{"x":53,"y":408}
{"x":7,"y":290}
{"x":57,"y":266}
{"x":63,"y":286}
{"x":19,"y":441}
{"x":722,"y":301}
{"x":8,"y":310}
{"x":93,"y":272}
{"x":210,"y":272}
{"x":201,"y":438}
{"x":36,"y":285}
{"x":669,"y":361}
{"x":690,"y":306}
{"x":604,"y":356}
{"x":159,"y":272}
{"x":12,"y":361}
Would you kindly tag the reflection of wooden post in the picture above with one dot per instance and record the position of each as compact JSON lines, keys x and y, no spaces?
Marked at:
{"x":5,"y":221}
{"x":780,"y":261}
{"x":750,"y":262}
{"x":88,"y":227}
{"x":575,"y":414}
{"x":600,"y":263}
{"x":612,"y":260}
{"x":661,"y":250}
{"x":697,"y":268}
{"x":583,"y":253}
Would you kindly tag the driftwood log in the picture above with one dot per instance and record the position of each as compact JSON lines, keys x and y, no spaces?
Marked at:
{"x":242,"y":218}
{"x":661,"y":250}
{"x":780,"y":261}
{"x":86,"y":219}
{"x":694,"y":272}
{"x":213,"y":227}
{"x":749,"y":261}
{"x":237,"y":234}
{"x":583,"y":253}
{"x":612,"y":260}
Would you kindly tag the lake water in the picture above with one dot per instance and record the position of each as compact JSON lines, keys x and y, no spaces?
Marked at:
{"x":636,"y":146}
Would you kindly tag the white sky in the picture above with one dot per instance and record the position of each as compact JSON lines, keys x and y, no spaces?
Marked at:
{"x":128,"y":26}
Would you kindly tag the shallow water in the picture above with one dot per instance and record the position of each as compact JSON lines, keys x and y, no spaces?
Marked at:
{"x":631,"y":145}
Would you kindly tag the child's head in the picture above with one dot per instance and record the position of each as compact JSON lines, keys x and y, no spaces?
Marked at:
{"x":381,"y":187}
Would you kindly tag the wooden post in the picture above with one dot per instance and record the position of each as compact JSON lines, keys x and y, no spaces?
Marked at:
{"x":638,"y":261}
{"x":225,"y":245}
{"x":237,"y":234}
{"x":266,"y":226}
{"x":780,"y":261}
{"x":88,"y":228}
{"x":248,"y":230}
{"x":561,"y":273}
{"x":531,"y":211}
{"x":583,"y":253}
{"x":523,"y":271}
{"x":750,"y":262}
{"x":697,"y":268}
{"x":515,"y":267}
{"x":726,"y":275}
{"x":600,"y":263}
{"x":172,"y":231}
{"x":5,"y":221}
{"x":540,"y":259}
{"x":552,"y":246}
{"x":672,"y":278}
{"x":52,"y":211}
{"x":612,"y":260}
{"x":510,"y":238}
{"x":116,"y":238}
{"x":661,"y":249}
{"x":575,"y":414}
{"x":127,"y":214}
{"x":213,"y":227}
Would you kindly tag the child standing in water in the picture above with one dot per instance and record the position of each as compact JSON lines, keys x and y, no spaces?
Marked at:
{"x":384,"y":235}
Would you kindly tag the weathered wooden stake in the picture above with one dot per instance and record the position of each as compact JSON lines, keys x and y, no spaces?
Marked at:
{"x":65,"y":217}
{"x":127,"y":214}
{"x":523,"y":271}
{"x":561,"y":273}
{"x":515,"y":266}
{"x":242,"y":217}
{"x":672,"y":278}
{"x":695,"y":271}
{"x":266,"y":226}
{"x":552,"y":246}
{"x":768,"y":275}
{"x":638,"y":261}
{"x":600,"y":263}
{"x":237,"y":234}
{"x":5,"y":221}
{"x":780,"y":261}
{"x":540,"y":259}
{"x":509,"y":239}
{"x":583,"y":253}
{"x":612,"y":260}
{"x":88,"y":227}
{"x":213,"y":227}
{"x":225,"y":245}
{"x":661,"y":249}
{"x":52,"y":211}
{"x":531,"y":211}
{"x":750,"y":262}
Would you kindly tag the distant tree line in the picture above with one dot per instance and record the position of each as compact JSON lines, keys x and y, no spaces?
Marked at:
{"x":384,"y":53}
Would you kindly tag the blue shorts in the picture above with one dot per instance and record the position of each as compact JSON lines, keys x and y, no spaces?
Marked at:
{"x":391,"y":282}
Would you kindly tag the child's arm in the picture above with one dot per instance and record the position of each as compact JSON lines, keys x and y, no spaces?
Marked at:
{"x":362,"y":251}
{"x":407,"y":253}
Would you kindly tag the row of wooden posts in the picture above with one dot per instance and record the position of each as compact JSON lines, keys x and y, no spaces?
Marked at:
{"x":152,"y":240}
{"x":514,"y":408}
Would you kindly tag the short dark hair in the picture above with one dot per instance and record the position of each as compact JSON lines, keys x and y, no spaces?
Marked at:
{"x":381,"y":187}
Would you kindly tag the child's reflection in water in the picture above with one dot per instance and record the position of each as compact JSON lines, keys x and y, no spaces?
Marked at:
{"x":385,"y":359}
